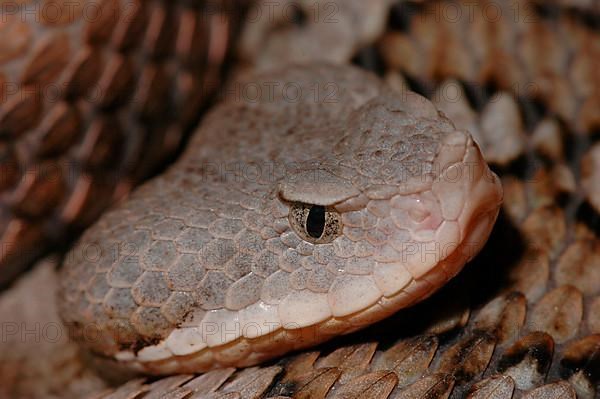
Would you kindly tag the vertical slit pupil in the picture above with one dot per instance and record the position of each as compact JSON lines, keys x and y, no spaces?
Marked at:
{"x":315,"y":222}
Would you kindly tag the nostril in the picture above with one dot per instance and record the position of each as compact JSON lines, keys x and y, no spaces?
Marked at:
{"x":417,"y":213}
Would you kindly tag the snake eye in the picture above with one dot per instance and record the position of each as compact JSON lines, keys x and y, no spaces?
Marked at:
{"x":315,"y":223}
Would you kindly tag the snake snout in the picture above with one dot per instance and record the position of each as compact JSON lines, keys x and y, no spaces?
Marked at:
{"x":439,"y":229}
{"x":470,"y":195}
{"x":454,"y":217}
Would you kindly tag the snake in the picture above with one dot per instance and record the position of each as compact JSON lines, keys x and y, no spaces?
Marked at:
{"x":285,"y":222}
{"x":167,"y":283}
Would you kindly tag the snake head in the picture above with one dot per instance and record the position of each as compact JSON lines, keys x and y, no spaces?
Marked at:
{"x":210,"y":265}
{"x":405,"y":201}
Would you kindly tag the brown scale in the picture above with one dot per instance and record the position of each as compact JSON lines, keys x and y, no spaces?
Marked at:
{"x":100,"y":96}
{"x":507,"y":43}
{"x":587,"y":6}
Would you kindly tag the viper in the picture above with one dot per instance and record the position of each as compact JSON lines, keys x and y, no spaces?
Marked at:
{"x":322,"y":203}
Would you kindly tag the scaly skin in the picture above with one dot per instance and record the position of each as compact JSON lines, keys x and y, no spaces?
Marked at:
{"x":561,"y":259}
{"x":211,"y":264}
{"x":95,"y":96}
